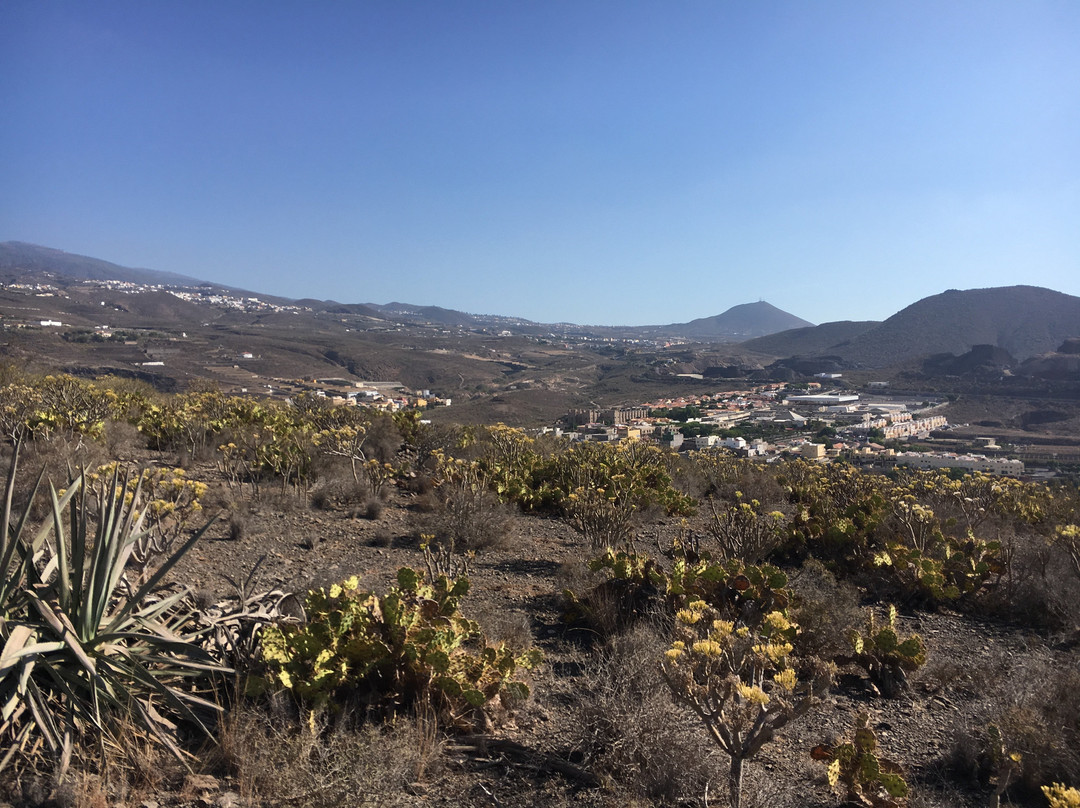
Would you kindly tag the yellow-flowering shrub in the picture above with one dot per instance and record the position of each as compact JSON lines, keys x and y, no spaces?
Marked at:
{"x":1060,"y":796}
{"x":741,"y":681}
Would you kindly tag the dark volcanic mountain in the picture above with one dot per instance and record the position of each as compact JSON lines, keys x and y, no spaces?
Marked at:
{"x":1023,"y":321}
{"x":982,"y":360}
{"x":738,"y":323}
{"x":813,"y":341}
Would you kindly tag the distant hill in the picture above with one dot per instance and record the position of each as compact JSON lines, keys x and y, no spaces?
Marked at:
{"x":431,"y":314}
{"x":20,"y":261}
{"x":1022,"y":320}
{"x":737,"y":324}
{"x":17,"y":257}
{"x":812,"y":341}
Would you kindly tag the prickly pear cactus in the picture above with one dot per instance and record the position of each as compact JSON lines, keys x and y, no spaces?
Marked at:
{"x":856,"y":771}
{"x":886,"y":656}
{"x":391,"y":652}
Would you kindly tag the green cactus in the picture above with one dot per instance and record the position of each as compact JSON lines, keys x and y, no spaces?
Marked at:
{"x":857,"y":771}
{"x":741,"y":592}
{"x":1004,"y":764}
{"x":389,"y":652}
{"x":886,"y":656}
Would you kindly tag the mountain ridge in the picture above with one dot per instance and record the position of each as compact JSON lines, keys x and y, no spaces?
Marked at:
{"x":733,"y":325}
{"x":1024,"y":321}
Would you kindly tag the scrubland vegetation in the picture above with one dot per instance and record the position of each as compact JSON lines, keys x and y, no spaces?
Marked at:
{"x":728,"y":632}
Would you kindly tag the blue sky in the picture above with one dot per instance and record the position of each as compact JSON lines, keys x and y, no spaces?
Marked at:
{"x":593,"y":162}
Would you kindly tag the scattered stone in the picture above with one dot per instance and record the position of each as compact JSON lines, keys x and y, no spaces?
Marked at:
{"x":201,"y":782}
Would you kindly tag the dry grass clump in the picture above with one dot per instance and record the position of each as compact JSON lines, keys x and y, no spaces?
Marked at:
{"x":335,"y":487}
{"x":626,"y":726}
{"x":468,"y":520}
{"x":825,"y":610}
{"x":1035,"y":707}
{"x":1042,"y":588}
{"x":281,"y":761}
{"x":373,"y":509}
{"x":1040,"y":718}
{"x":125,"y":774}
{"x":510,"y":627}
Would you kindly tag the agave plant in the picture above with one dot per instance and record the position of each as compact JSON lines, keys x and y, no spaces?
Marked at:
{"x":83,"y":653}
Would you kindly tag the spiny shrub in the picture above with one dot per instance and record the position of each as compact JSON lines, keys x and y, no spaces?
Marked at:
{"x":391,"y":653}
{"x":738,"y":591}
{"x":944,"y":570}
{"x":88,"y":658}
{"x":886,"y":656}
{"x":856,"y":771}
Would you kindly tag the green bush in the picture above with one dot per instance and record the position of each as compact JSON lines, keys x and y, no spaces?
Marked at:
{"x":391,"y":653}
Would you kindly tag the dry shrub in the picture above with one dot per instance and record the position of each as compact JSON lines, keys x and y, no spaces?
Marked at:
{"x":60,"y":458}
{"x":604,"y":606}
{"x":825,"y":609}
{"x":335,"y":486}
{"x":1041,"y":720}
{"x":1036,"y":706}
{"x":468,"y":520}
{"x":102,"y":777}
{"x":510,"y":627}
{"x":286,"y":502}
{"x":373,"y":508}
{"x":122,"y":439}
{"x":381,"y":538}
{"x":238,"y":522}
{"x":1041,"y":590}
{"x":421,"y":485}
{"x":957,"y":675}
{"x":626,"y":726}
{"x":279,"y":761}
{"x":321,"y":499}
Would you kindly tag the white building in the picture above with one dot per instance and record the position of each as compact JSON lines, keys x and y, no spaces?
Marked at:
{"x":999,"y":467}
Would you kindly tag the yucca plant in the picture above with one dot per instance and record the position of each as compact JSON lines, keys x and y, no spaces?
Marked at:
{"x":85,"y":654}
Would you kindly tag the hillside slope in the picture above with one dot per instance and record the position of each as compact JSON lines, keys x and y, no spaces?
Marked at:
{"x":18,"y":257}
{"x":1023,"y":320}
{"x":815,"y":340}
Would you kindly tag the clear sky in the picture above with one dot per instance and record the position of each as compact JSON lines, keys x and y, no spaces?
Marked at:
{"x":595,"y":162}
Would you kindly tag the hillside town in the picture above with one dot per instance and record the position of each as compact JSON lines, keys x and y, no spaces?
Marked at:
{"x":771,"y":420}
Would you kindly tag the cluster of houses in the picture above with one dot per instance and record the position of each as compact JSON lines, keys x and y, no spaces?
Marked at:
{"x":234,"y":302}
{"x":385,"y":396}
{"x":852,"y":419}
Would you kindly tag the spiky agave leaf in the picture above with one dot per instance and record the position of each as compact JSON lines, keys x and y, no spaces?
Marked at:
{"x":81,"y":654}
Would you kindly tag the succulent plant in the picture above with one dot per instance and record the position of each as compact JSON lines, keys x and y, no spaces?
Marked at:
{"x":857,"y":771}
